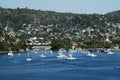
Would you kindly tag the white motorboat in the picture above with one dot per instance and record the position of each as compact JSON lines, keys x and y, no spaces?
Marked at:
{"x":61,"y":55}
{"x":42,"y":55}
{"x":19,"y":54}
{"x":91,"y":55}
{"x":109,"y":51}
{"x":36,"y":52}
{"x":10,"y":53}
{"x":28,"y":59}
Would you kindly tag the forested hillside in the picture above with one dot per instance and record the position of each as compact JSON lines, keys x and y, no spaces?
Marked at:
{"x":49,"y":25}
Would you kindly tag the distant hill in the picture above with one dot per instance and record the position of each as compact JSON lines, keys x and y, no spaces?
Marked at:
{"x":50,"y":24}
{"x":115,"y":12}
{"x":24,"y":23}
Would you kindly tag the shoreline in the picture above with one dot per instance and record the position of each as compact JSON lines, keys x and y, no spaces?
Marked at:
{"x":5,"y":52}
{"x":115,"y":49}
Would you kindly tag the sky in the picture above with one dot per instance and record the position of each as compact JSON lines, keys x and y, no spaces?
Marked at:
{"x":69,"y":6}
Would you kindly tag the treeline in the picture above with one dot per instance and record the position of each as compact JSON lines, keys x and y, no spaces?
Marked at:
{"x":88,"y":44}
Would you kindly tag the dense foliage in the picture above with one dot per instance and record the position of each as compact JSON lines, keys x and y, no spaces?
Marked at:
{"x":57,"y":44}
{"x":9,"y":43}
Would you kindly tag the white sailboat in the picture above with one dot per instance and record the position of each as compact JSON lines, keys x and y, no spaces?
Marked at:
{"x":10,"y":53}
{"x":28,"y":57}
{"x":42,"y":54}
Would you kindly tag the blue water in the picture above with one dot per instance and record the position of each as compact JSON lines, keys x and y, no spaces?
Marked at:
{"x":102,"y":67}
